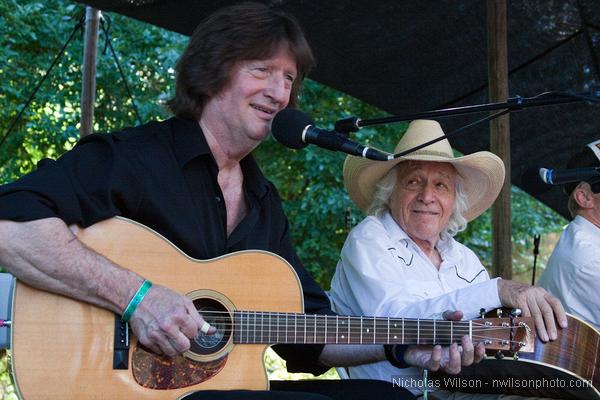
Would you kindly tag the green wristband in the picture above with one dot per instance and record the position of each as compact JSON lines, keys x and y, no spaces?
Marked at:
{"x":136,"y":300}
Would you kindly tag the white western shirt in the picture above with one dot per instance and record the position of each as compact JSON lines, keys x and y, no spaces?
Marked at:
{"x":382,"y":272}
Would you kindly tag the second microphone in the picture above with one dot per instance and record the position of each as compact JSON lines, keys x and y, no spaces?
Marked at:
{"x":295,"y":129}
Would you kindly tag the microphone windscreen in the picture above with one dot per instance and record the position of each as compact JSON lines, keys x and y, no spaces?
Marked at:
{"x":288,"y":125}
{"x":532,"y":182}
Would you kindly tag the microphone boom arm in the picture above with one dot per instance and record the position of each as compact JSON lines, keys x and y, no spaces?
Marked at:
{"x":353,"y":124}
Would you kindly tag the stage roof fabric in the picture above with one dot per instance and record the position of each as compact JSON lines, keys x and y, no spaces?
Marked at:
{"x":413,"y":56}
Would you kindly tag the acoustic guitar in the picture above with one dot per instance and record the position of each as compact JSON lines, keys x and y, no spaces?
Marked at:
{"x":66,"y":349}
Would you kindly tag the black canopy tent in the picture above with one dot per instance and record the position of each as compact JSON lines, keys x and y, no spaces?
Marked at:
{"x":412,"y":56}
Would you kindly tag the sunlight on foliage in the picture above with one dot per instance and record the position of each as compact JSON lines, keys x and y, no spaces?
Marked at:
{"x":277,"y":371}
{"x":7,"y":391}
{"x":309,"y":180}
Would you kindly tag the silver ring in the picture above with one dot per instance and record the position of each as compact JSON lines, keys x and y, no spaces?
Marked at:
{"x":205,"y":327}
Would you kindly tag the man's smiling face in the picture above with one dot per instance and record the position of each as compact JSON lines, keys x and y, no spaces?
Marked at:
{"x":423,"y":198}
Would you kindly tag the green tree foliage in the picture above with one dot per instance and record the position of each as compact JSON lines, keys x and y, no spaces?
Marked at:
{"x":309,"y":180}
{"x":32,"y":35}
{"x":529,"y":217}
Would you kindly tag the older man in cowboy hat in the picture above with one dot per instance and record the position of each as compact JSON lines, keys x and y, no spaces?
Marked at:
{"x":402,"y":259}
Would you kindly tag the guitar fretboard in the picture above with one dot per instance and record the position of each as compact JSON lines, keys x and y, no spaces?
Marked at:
{"x":256,"y":327}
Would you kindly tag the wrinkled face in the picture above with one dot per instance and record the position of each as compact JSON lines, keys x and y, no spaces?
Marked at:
{"x":257,"y":90}
{"x":423,"y":199}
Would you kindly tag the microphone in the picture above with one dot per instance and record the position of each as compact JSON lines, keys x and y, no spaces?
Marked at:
{"x":295,"y":129}
{"x":562,"y":176}
{"x":539,"y":179}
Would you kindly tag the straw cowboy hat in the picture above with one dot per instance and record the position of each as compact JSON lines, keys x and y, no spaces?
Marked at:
{"x":482,"y":172}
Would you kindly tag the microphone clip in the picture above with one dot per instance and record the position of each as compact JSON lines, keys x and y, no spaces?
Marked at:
{"x":347,"y":125}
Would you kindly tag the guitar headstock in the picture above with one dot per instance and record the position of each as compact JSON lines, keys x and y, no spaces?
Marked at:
{"x":507,"y":335}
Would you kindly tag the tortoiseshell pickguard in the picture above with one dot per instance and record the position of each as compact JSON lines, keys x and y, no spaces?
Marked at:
{"x":159,"y":372}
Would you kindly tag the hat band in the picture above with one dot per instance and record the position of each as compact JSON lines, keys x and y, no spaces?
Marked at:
{"x":431,"y":153}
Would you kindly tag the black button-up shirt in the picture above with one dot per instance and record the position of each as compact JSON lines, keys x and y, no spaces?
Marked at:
{"x":163,"y":175}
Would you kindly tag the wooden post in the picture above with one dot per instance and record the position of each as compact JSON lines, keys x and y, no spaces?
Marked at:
{"x":88,"y":81}
{"x":500,"y":136}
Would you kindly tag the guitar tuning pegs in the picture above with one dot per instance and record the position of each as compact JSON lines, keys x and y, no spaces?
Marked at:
{"x":482,"y":312}
{"x":516,"y":312}
{"x":499,"y":355}
{"x":499,"y":312}
{"x":516,"y":356}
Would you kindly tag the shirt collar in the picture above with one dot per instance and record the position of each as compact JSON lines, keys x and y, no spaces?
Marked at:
{"x":585,"y":224}
{"x":254,"y":179}
{"x":188,"y":140}
{"x":189,"y":143}
{"x":391,"y":226}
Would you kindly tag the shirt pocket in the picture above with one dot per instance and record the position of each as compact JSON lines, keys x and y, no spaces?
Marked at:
{"x":417,"y":290}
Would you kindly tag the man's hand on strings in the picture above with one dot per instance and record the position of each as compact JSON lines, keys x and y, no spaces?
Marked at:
{"x":166,"y":321}
{"x":449,"y":359}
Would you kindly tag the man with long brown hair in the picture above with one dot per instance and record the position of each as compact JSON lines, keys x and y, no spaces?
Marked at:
{"x":190,"y":178}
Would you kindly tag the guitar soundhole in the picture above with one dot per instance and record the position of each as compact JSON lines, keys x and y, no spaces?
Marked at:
{"x":218,"y":316}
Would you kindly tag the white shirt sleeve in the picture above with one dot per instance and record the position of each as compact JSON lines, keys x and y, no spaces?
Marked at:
{"x":470,"y":300}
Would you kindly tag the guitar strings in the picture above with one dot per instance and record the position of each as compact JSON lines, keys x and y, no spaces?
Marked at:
{"x":370,"y":331}
{"x":278,"y":315}
{"x":253,"y":324}
{"x":312,"y":320}
{"x":268,"y":339}
{"x":367,"y":324}
{"x":355,"y":326}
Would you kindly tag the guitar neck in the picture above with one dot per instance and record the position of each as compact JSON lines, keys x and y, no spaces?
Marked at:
{"x":256,"y":327}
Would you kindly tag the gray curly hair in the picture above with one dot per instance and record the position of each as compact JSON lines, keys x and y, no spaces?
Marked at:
{"x":385,"y":187}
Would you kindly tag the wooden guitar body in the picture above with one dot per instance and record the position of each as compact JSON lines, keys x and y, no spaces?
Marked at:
{"x":63,"y":349}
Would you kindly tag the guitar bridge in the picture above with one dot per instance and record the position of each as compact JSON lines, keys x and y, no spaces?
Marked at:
{"x":121,"y":344}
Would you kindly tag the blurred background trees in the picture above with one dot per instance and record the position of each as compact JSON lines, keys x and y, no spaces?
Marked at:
{"x":309,"y":180}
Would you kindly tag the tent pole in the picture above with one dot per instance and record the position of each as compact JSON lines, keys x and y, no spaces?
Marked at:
{"x":88,"y":81}
{"x":500,"y":136}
